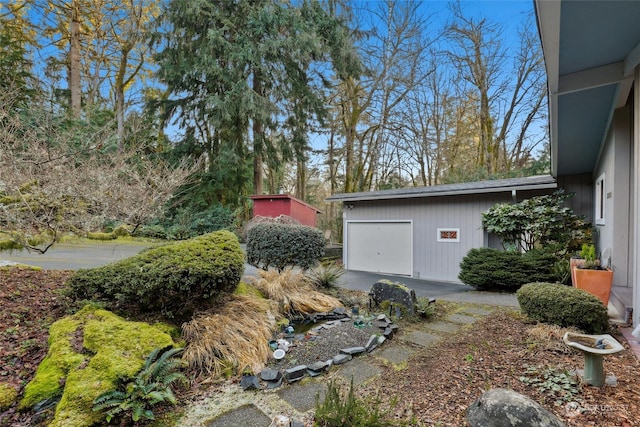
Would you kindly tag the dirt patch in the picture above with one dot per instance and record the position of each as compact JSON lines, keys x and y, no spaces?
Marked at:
{"x":504,"y":350}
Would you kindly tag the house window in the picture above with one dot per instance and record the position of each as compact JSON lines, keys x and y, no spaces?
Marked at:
{"x":600,"y":197}
{"x":448,"y":235}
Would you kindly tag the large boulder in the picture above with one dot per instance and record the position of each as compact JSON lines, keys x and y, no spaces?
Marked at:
{"x":395,"y":293}
{"x":506,"y":408}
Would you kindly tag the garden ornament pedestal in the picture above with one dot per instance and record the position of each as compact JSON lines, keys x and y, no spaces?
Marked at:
{"x":594,"y":348}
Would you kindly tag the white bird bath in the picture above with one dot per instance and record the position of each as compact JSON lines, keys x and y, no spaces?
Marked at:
{"x":594,"y":348}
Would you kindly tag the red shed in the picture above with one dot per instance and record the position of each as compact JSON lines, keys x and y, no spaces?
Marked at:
{"x":274,"y":205}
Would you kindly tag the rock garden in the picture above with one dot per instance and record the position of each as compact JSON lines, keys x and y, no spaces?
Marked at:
{"x":67,"y":356}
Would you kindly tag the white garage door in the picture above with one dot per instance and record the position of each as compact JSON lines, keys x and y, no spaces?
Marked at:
{"x":382,"y":247}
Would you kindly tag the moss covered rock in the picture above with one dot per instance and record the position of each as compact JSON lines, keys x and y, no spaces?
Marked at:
{"x":88,"y":353}
{"x":8,"y":395}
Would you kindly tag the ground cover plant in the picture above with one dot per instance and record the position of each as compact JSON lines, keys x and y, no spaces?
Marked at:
{"x":434,"y":388}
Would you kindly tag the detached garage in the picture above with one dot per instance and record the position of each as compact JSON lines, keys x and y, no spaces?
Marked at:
{"x":424,"y":232}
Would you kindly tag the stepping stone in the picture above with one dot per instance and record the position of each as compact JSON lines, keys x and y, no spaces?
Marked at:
{"x":420,"y":338}
{"x":360,"y":371}
{"x":341,"y":311}
{"x":339,"y":359}
{"x":381,"y":340}
{"x":296,"y":373}
{"x":353,"y":351}
{"x":270,"y":385}
{"x":302,"y":397}
{"x":382,"y":324}
{"x":388,"y":333}
{"x":446,"y":327}
{"x":246,"y":416}
{"x":395,"y":354}
{"x":462,"y":318}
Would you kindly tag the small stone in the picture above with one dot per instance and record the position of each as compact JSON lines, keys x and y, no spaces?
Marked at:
{"x":339,"y":359}
{"x":388,"y":332}
{"x":340,"y":311}
{"x":296,"y":373}
{"x":274,"y":384}
{"x":373,"y":340}
{"x":250,"y":382}
{"x":394,"y":327}
{"x":318,"y":366}
{"x":611,"y":381}
{"x":353,"y":351}
{"x":381,"y":317}
{"x":270,"y":375}
{"x":382,"y":324}
{"x":299,"y":337}
{"x":381,"y":340}
{"x":296,"y":423}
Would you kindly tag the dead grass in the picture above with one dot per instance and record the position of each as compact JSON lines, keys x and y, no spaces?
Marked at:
{"x":234,"y":339}
{"x":293,"y":293}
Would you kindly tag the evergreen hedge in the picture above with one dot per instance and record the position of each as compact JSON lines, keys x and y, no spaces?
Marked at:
{"x":563,"y":306}
{"x":173,"y":278}
{"x":274,"y":245}
{"x":493,"y":269}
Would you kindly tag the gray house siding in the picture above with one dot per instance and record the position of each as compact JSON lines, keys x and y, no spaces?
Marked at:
{"x":582,"y":187}
{"x":435,"y":260}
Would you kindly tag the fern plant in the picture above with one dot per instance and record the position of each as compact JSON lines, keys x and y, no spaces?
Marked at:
{"x":152,"y":385}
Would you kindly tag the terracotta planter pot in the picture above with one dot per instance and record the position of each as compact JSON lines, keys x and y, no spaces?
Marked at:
{"x":596,"y":282}
{"x":577,"y":263}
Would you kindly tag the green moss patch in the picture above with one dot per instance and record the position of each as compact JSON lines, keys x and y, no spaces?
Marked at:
{"x":88,"y":353}
{"x":8,"y":395}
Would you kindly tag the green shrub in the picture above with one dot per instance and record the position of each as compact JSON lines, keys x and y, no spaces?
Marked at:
{"x":284,"y":245}
{"x":150,"y":387}
{"x":492,"y":269}
{"x":174,"y":278}
{"x":563,"y":306}
{"x":183,"y":224}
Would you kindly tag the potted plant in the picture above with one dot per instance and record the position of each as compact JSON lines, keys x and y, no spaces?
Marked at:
{"x":589,"y":276}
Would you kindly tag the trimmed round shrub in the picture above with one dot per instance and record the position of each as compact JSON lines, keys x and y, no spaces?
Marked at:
{"x":563,"y":306}
{"x":173,"y":278}
{"x":273,"y":245}
{"x":493,"y":269}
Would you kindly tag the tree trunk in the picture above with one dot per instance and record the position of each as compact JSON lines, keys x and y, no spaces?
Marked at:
{"x":258,"y":135}
{"x":74,"y":62}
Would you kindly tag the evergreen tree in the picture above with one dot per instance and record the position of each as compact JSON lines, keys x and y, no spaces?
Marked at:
{"x":245,"y":78}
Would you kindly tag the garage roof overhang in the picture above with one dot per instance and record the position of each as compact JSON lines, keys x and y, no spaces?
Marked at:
{"x":540,"y":182}
{"x":590,"y":49}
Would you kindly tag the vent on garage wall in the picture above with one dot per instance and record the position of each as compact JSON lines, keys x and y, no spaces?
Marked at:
{"x":448,"y":235}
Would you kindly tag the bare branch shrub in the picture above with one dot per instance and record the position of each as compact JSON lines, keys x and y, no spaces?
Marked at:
{"x":59,"y":176}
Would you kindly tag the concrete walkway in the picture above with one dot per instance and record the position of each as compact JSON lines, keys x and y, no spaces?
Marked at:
{"x":231,"y":406}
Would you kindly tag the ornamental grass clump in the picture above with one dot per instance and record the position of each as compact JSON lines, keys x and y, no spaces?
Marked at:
{"x":293,"y":293}
{"x":233,"y":339}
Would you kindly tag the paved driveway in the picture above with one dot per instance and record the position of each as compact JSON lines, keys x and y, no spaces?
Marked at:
{"x":94,"y":254}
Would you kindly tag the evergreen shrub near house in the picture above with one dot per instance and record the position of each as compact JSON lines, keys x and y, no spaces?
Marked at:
{"x":273,"y":245}
{"x":173,"y":278}
{"x":563,"y":306}
{"x":493,"y":269}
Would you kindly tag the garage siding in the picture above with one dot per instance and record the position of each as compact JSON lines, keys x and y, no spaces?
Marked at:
{"x":434,"y":260}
